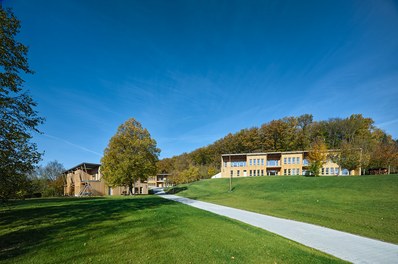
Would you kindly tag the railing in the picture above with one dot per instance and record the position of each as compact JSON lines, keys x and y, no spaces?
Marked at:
{"x":274,"y":163}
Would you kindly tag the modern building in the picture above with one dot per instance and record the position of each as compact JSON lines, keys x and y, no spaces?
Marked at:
{"x":160,"y":180}
{"x":276,"y":163}
{"x":86,"y":179}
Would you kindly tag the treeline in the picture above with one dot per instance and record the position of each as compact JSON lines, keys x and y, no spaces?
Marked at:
{"x":379,"y":150}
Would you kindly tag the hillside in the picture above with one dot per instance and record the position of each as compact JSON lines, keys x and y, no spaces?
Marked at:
{"x":366,"y":205}
{"x":379,"y":150}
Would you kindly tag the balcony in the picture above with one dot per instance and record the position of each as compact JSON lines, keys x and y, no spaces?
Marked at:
{"x":273,"y":163}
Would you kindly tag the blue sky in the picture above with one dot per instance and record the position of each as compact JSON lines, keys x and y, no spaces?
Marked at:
{"x":193,"y":71}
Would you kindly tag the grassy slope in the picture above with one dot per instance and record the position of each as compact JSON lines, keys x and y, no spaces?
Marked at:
{"x":366,"y":205}
{"x":136,"y":230}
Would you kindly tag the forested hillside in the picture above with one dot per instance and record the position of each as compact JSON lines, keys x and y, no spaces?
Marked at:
{"x":379,"y":149}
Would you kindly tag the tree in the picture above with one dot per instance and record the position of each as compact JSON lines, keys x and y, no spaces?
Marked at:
{"x":349,"y":157}
{"x":18,"y":119}
{"x":131,"y":155}
{"x":48,"y":180}
{"x":317,"y":156}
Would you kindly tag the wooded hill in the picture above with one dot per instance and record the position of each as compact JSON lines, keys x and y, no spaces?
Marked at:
{"x":379,"y":149}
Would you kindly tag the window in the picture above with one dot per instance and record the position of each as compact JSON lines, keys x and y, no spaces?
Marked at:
{"x":262,"y":172}
{"x":284,"y":172}
{"x":289,"y":171}
{"x":232,"y":173}
{"x":225,"y":164}
{"x":336,"y":171}
{"x":258,"y":172}
{"x":327,"y":171}
{"x":250,"y":162}
{"x":250,"y":173}
{"x":297,"y":171}
{"x":254,"y":172}
{"x":262,"y":161}
{"x":289,"y":160}
{"x":258,"y":161}
{"x":293,"y":160}
{"x":298,"y":160}
{"x":237,"y":173}
{"x":284,"y":161}
{"x":323,"y":171}
{"x":254,"y":162}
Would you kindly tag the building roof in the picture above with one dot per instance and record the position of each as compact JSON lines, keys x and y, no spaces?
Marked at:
{"x":270,"y":153}
{"x":85,"y":165}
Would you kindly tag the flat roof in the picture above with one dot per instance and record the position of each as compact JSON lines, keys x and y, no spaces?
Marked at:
{"x":270,"y":153}
{"x":85,"y":165}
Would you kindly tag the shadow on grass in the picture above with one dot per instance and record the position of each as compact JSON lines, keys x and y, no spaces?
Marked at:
{"x":176,"y":189}
{"x":38,"y":221}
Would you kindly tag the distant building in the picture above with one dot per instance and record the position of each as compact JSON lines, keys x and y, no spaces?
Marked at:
{"x":85,"y":179}
{"x":276,"y":163}
{"x":160,"y":180}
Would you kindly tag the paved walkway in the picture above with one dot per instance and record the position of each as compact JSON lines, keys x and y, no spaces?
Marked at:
{"x":343,"y":245}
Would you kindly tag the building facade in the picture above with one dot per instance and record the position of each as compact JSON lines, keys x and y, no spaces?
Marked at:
{"x":160,"y":180}
{"x":276,"y":163}
{"x":85,"y":179}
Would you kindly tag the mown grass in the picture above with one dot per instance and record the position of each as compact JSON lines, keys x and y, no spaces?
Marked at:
{"x":365,"y":205}
{"x":136,"y":230}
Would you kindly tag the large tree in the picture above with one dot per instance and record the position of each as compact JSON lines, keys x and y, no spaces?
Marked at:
{"x":131,"y":155}
{"x":18,"y":118}
{"x":349,"y":157}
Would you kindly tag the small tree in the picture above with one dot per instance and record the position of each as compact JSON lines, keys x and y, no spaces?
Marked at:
{"x":131,"y":155}
{"x":317,"y":156}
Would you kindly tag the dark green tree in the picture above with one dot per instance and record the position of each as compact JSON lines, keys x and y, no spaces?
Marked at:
{"x":18,"y":117}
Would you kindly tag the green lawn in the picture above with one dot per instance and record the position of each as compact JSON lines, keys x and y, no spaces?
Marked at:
{"x":136,"y":230}
{"x":365,"y":205}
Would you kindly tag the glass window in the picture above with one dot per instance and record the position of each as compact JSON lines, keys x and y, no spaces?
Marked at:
{"x":336,"y":171}
{"x":323,"y":171}
{"x":254,"y":172}
{"x":262,"y":161}
{"x":284,"y":161}
{"x":284,"y":172}
{"x":327,"y":171}
{"x":297,"y":171}
{"x":250,"y":173}
{"x":254,"y":162}
{"x":293,"y":160}
{"x":225,"y":164}
{"x":262,"y":172}
{"x":237,"y":173}
{"x":258,"y":172}
{"x":289,"y":160}
{"x":298,"y":160}
{"x":289,"y":172}
{"x":258,"y":161}
{"x":232,"y":173}
{"x":250,"y":161}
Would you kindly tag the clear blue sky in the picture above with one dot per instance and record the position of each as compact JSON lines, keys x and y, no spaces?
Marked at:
{"x":193,"y":71}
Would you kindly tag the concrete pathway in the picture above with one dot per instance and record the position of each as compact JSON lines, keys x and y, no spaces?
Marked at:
{"x":343,"y":245}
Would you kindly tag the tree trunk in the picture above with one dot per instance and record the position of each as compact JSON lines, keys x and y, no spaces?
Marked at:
{"x":134,"y":188}
{"x":130,"y":188}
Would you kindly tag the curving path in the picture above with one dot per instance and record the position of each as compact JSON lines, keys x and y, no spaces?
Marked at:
{"x":343,"y":245}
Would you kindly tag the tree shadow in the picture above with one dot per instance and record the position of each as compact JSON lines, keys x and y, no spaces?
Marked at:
{"x":41,"y":220}
{"x":176,"y":189}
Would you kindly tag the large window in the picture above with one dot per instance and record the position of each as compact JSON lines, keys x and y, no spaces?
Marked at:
{"x":262,"y":161}
{"x":293,"y":160}
{"x":298,"y":160}
{"x":284,"y":161}
{"x":250,"y":162}
{"x":251,"y":173}
{"x":254,"y":162}
{"x":289,"y":160}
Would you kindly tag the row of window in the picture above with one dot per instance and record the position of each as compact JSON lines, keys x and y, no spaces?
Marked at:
{"x":293,"y":160}
{"x":254,"y":163}
{"x":333,"y":171}
{"x":295,"y":171}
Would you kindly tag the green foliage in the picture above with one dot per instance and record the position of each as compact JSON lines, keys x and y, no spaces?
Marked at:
{"x":137,"y":230}
{"x":131,"y":155}
{"x":48,"y":180}
{"x":18,"y":119}
{"x":365,"y":205}
{"x":349,"y":158}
